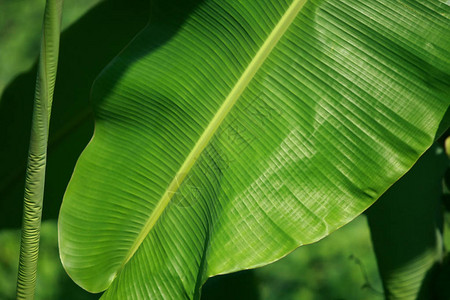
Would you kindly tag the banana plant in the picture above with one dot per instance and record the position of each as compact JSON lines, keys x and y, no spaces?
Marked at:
{"x":86,"y":47}
{"x":406,"y":230}
{"x":229,"y":133}
{"x":37,"y":154}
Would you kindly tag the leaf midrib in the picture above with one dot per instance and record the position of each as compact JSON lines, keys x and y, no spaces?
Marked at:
{"x":243,"y":82}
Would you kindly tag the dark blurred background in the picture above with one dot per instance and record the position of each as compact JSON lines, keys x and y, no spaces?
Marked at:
{"x":342,"y":266}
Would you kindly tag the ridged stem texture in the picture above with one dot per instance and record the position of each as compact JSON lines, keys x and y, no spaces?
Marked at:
{"x":37,"y":155}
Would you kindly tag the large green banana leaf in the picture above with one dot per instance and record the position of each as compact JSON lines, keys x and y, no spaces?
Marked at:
{"x":228,"y":133}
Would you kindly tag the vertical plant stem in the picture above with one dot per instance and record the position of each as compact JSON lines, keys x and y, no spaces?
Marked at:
{"x":37,"y":154}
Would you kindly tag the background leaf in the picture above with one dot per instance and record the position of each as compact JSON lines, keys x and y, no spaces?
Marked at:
{"x":86,"y":47}
{"x":406,"y":227}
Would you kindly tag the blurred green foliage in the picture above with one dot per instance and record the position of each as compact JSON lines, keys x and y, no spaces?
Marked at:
{"x":52,"y":281}
{"x":341,"y":266}
{"x":20,"y":32}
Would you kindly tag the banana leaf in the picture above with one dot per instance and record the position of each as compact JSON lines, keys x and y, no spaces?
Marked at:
{"x":229,"y":133}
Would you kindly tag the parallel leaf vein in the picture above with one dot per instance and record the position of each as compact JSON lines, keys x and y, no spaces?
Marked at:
{"x":243,"y":82}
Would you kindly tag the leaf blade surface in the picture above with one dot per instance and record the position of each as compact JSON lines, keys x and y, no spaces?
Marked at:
{"x":330,"y":119}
